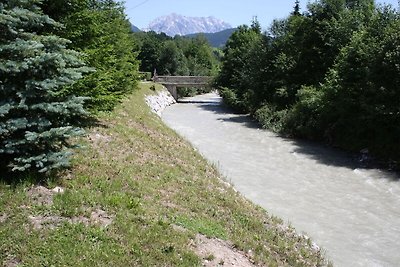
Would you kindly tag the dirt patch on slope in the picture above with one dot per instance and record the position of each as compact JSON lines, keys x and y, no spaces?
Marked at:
{"x":216,"y":252}
{"x":3,"y":218}
{"x":98,"y":217}
{"x":11,"y":262}
{"x":40,"y":195}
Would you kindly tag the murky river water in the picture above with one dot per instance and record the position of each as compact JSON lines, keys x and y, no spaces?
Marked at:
{"x":352,"y":212}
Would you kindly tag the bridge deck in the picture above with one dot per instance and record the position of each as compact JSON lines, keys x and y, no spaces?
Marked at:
{"x":183,"y":79}
{"x":184,"y":84}
{"x":172,"y":82}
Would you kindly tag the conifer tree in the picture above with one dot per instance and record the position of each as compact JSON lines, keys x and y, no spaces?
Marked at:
{"x":100,"y":30}
{"x":296,"y":9}
{"x":36,"y":117}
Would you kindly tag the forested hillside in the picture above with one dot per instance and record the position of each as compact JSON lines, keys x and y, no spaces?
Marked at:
{"x":217,"y":39}
{"x":176,"y":56}
{"x":330,"y":73}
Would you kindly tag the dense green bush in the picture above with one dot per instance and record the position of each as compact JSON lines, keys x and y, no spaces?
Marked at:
{"x":361,"y":92}
{"x":236,"y":56}
{"x":230,"y":98}
{"x":37,"y":117}
{"x":145,"y":76}
{"x":303,"y":119}
{"x":270,"y":118}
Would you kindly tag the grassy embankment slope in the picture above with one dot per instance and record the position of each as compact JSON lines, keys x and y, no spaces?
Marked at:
{"x":138,"y":195}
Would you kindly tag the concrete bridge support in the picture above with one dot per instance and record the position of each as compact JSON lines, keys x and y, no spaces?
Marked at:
{"x":173,"y":90}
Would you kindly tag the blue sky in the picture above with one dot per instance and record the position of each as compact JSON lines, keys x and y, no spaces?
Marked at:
{"x":234,"y":12}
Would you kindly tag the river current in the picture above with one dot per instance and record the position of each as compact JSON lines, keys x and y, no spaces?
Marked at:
{"x":351,"y":211}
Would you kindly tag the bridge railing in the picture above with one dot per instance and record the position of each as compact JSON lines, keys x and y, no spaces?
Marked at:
{"x":183,"y":79}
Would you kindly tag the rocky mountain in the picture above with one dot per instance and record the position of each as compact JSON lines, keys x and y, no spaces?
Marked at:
{"x":175,"y":24}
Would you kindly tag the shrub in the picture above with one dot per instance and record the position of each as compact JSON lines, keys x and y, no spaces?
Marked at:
{"x":145,"y":76}
{"x":270,"y":118}
{"x":230,"y":99}
{"x":304,"y":117}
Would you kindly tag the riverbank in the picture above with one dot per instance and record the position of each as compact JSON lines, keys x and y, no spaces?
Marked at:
{"x":345,"y":207}
{"x":139,"y":195}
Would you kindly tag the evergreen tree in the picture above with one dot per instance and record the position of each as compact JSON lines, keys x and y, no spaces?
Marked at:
{"x":296,"y":10}
{"x":255,"y":25}
{"x":36,"y":116}
{"x":100,"y":30}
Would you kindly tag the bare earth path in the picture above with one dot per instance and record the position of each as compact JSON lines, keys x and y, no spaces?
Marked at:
{"x":350,"y":211}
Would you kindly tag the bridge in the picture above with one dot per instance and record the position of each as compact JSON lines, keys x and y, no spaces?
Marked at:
{"x":174,"y":82}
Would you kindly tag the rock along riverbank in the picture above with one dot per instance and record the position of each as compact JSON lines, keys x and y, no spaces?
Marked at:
{"x":160,"y":101}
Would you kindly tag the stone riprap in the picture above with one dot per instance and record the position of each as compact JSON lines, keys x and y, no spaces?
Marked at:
{"x":160,"y":101}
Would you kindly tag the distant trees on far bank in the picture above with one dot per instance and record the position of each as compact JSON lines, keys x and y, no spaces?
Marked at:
{"x":331,"y":73}
{"x":176,"y":56}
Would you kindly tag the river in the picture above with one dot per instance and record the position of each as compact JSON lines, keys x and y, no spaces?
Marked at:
{"x":350,"y":211}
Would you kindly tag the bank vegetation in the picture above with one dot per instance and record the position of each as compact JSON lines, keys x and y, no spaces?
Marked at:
{"x":330,"y":73}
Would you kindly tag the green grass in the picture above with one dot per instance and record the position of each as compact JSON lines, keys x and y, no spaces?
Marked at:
{"x":149,"y":180}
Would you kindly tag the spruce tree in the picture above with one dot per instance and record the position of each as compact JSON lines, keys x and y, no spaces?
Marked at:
{"x":296,"y":9}
{"x":37,"y":118}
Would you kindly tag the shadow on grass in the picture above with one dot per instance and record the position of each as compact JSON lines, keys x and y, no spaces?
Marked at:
{"x":90,"y":122}
{"x":15,"y":178}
